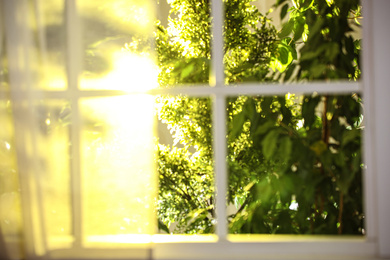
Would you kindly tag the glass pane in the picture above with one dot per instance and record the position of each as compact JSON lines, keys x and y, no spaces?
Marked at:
{"x":40,"y":45}
{"x":52,"y":118}
{"x":292,"y":41}
{"x":41,"y":140}
{"x":10,"y":197}
{"x":38,"y":49}
{"x":183,"y":44}
{"x":186,"y":190}
{"x":51,"y":44}
{"x":117,"y":44}
{"x":10,"y":207}
{"x":118,"y":168}
{"x":3,"y":61}
{"x":295,"y":164}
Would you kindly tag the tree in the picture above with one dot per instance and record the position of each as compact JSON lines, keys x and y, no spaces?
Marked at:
{"x":294,"y":162}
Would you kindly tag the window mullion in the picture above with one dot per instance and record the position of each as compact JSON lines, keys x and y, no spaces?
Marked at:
{"x":219,"y":120}
{"x":376,"y":78}
{"x":219,"y":138}
{"x":73,"y":69}
{"x":369,"y":178}
{"x":217,"y":70}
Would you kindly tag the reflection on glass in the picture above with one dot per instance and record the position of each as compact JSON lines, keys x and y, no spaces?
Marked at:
{"x":117,"y":49}
{"x":10,"y":197}
{"x":50,"y":44}
{"x":3,"y":61}
{"x":52,"y":118}
{"x":10,"y":207}
{"x":185,"y":164}
{"x":118,"y":167}
{"x":295,"y":165}
{"x":128,"y":71}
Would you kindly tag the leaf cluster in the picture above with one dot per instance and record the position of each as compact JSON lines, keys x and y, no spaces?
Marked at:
{"x":300,"y":169}
{"x":184,"y":57}
{"x":327,"y":34}
{"x":294,"y":161}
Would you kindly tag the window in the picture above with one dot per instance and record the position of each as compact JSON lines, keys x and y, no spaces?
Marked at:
{"x":28,"y":103}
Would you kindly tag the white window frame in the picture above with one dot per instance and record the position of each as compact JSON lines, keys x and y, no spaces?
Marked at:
{"x":374,"y":245}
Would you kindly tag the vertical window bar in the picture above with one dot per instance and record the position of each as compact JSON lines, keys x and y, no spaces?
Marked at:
{"x":219,"y":142}
{"x":219,"y":117}
{"x":380,"y":121}
{"x":217,"y":69}
{"x":73,"y":69}
{"x":369,"y":176}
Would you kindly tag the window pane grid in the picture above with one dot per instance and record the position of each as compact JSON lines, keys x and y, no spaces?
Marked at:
{"x":219,"y":93}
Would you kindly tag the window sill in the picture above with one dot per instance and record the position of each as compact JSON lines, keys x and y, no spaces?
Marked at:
{"x":191,"y":247}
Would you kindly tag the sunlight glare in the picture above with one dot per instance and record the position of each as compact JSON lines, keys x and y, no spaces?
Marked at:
{"x":131,"y":72}
{"x":118,"y":165}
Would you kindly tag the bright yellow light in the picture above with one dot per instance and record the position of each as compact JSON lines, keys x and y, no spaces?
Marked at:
{"x":122,"y":239}
{"x":127,"y":15}
{"x":119,"y":179}
{"x":118,"y":166}
{"x":130,"y":72}
{"x":157,"y":238}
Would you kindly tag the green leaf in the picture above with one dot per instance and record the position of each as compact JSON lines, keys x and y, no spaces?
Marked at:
{"x":187,"y":71}
{"x":283,"y":12}
{"x":339,"y":160}
{"x":238,"y":122}
{"x":162,"y":226}
{"x":349,"y":136}
{"x":332,"y":50}
{"x":308,"y":110}
{"x":311,"y":55}
{"x":238,"y":201}
{"x":318,"y":147}
{"x":285,"y":148}
{"x":284,"y":56}
{"x":317,"y":70}
{"x":289,"y":72}
{"x":287,"y":28}
{"x":263,"y":128}
{"x":279,"y":2}
{"x":299,"y":27}
{"x":316,"y":27}
{"x":269,"y":143}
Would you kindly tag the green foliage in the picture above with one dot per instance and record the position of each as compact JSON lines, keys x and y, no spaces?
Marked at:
{"x":294,"y":161}
{"x":184,"y":57}
{"x":186,"y":191}
{"x":326,"y":31}
{"x":250,"y":42}
{"x":306,"y":164}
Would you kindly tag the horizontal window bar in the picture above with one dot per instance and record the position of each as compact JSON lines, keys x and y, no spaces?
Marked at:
{"x":265,"y":89}
{"x":205,"y":90}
